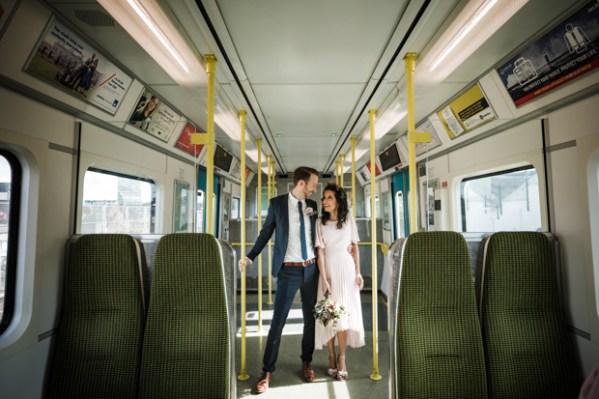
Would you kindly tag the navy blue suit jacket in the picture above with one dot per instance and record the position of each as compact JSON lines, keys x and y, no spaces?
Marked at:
{"x":278,"y":219}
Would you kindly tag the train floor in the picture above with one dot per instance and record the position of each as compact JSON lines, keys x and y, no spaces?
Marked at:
{"x":288,"y":380}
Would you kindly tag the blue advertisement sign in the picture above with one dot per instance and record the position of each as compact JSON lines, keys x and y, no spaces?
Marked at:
{"x":569,"y":50}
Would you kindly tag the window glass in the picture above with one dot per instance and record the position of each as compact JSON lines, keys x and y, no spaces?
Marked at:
{"x":181,"y":205}
{"x":10,"y":189}
{"x":504,"y":201}
{"x":236,"y":208}
{"x":115,"y":203}
{"x":200,"y":212}
{"x":399,"y":215}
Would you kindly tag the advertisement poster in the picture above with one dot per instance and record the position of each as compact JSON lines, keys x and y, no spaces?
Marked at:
{"x":564,"y":53}
{"x":377,"y":171}
{"x":65,"y":61}
{"x":153,"y":116}
{"x":6,"y":9}
{"x":421,"y":148}
{"x":468,"y":111}
{"x":184,"y":140}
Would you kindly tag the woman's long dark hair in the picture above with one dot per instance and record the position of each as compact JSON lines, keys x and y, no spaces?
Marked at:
{"x":342,"y":207}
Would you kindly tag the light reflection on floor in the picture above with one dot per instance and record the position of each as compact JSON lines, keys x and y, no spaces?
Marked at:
{"x":293,"y":326}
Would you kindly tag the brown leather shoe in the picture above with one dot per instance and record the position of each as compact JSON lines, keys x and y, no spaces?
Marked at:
{"x":263,"y":382}
{"x":308,"y":372}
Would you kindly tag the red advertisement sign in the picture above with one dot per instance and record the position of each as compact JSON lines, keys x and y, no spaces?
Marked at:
{"x":184,"y":140}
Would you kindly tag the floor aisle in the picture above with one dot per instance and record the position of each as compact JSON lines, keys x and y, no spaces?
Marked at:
{"x":288,"y":381}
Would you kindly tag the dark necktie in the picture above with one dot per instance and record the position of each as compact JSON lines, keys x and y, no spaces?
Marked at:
{"x":302,"y":231}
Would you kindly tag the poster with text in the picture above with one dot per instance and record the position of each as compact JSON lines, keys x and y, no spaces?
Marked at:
{"x":62,"y":59}
{"x":470,"y":110}
{"x":184,"y":140}
{"x":153,"y":116}
{"x":569,"y":50}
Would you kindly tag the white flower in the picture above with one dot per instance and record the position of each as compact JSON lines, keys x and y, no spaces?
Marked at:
{"x":309,"y":211}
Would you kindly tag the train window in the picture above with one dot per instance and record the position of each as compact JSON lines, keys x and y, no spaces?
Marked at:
{"x":181,"y":207}
{"x":399,"y":215}
{"x":265,"y":199}
{"x":116,"y":203}
{"x":376,"y":204}
{"x":200,"y":212}
{"x":10,"y":190}
{"x":507,"y":200}
{"x":236,"y":208}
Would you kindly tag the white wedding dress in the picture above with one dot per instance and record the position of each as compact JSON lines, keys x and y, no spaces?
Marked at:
{"x":341,"y":274}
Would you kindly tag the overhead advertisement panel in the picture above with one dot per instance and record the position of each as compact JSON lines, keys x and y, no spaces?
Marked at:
{"x":470,"y":110}
{"x":153,"y":116}
{"x":569,"y":50}
{"x":64,"y":60}
{"x":184,"y":140}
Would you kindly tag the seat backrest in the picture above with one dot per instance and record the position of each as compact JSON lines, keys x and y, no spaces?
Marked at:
{"x":528,"y":349}
{"x":438,"y":350}
{"x":187,"y":342}
{"x":97,"y":348}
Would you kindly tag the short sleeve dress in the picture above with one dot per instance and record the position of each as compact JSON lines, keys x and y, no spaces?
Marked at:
{"x":340,"y":269}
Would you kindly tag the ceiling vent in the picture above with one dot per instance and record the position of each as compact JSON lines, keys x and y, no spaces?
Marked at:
{"x":95,"y":18}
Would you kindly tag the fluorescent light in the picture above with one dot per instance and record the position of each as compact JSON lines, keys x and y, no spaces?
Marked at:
{"x":477,"y":21}
{"x":253,"y":154}
{"x":386,"y":122}
{"x":157,"y":32}
{"x":360,"y":152}
{"x":481,"y":12}
{"x":228,"y":123}
{"x":145,"y":21}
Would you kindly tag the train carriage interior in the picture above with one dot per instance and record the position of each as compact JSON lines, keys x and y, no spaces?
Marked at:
{"x":142,"y":143}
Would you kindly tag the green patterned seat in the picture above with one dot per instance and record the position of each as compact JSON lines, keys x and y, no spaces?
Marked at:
{"x":528,"y":349}
{"x":437,"y":344}
{"x":97,"y":347}
{"x":187,"y":343}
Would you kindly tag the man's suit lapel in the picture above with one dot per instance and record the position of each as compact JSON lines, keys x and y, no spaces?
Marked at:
{"x":285,"y":207}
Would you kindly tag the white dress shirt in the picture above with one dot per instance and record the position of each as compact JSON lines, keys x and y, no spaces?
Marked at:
{"x":294,"y":245}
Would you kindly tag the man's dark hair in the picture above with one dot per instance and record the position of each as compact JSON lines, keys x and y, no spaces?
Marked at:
{"x":303,"y":173}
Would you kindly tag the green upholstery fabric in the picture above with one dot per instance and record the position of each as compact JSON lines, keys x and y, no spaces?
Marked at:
{"x":97,"y":347}
{"x":186,"y":351}
{"x":438,"y":344}
{"x":528,"y":350}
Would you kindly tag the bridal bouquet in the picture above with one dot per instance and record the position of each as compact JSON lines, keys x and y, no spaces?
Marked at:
{"x":327,"y":311}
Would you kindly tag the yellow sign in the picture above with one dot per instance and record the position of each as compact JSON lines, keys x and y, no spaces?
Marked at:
{"x":466,"y":112}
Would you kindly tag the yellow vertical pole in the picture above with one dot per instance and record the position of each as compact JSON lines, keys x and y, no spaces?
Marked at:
{"x":375,"y":346}
{"x":410,"y":59}
{"x":353,"y":176}
{"x":243,"y":375}
{"x":210,"y":70}
{"x":259,"y":145}
{"x":341,"y":162}
{"x":270,"y":190}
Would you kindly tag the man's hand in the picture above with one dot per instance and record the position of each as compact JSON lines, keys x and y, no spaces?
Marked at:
{"x":243,"y":263}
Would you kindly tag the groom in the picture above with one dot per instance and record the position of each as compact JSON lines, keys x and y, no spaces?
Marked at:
{"x":293,"y":216}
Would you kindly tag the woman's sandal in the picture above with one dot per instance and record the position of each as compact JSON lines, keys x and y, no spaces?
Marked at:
{"x":341,"y":374}
{"x":332,"y":371}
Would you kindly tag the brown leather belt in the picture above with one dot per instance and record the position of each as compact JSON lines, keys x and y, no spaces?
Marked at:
{"x":302,"y":264}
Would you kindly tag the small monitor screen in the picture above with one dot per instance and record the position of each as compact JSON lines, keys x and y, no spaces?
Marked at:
{"x":389,"y":158}
{"x":222,"y":159}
